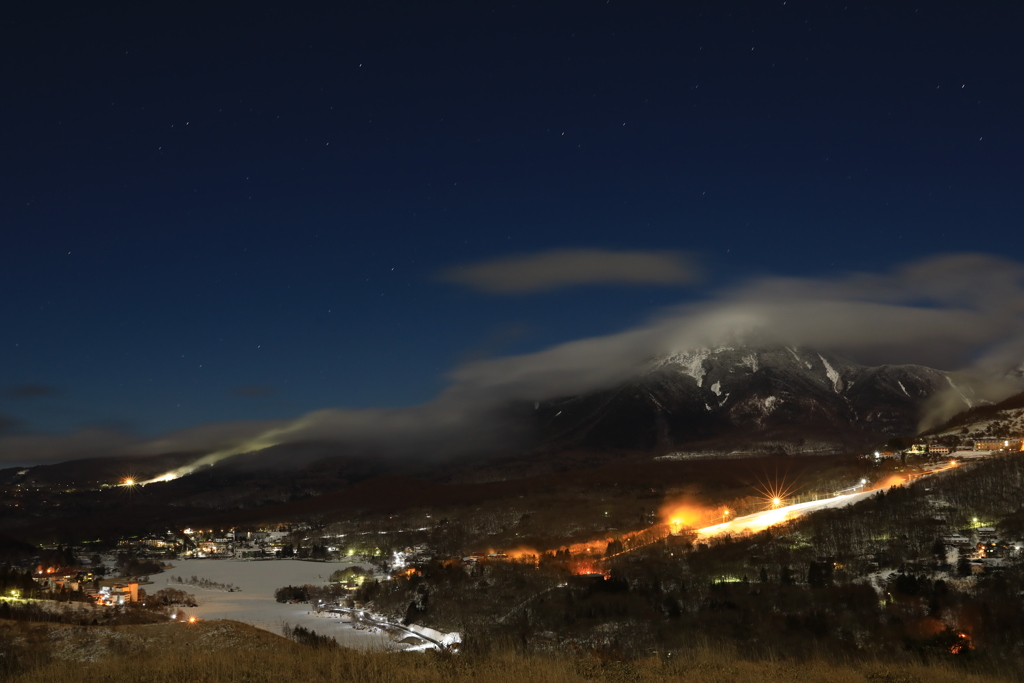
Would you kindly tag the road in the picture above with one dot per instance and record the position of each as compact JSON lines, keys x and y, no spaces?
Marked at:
{"x":762,"y":520}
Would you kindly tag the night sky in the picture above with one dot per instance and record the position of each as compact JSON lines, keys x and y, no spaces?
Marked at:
{"x":246,"y":212}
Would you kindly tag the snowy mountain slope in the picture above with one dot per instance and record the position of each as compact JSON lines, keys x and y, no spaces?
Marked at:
{"x":1003,"y":420}
{"x":763,"y":394}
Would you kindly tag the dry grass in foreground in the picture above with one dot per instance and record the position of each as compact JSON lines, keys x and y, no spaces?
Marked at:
{"x":166,"y":654}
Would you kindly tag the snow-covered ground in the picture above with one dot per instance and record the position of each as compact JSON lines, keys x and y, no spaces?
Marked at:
{"x":255,"y":604}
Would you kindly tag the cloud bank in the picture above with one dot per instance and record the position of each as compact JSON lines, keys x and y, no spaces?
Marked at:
{"x":568,"y":267}
{"x":957,"y":312}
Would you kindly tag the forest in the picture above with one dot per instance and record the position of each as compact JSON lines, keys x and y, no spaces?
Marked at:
{"x":880,"y":578}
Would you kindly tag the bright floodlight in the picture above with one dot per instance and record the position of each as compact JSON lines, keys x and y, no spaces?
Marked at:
{"x":776,"y":501}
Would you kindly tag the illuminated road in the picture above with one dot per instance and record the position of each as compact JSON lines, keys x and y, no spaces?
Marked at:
{"x":767,"y":518}
{"x":762,"y":520}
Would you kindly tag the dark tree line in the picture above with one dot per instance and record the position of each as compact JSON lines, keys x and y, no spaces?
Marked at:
{"x":14,"y":579}
{"x":305,"y":636}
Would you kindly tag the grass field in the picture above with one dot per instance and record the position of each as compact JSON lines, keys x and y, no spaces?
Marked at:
{"x":228,"y":652}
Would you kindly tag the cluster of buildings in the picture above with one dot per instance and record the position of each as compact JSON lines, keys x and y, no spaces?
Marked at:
{"x":76,"y":579}
{"x":407,"y":557}
{"x":934,"y":449}
{"x":985,"y":552}
{"x":200,"y":543}
{"x":56,"y":579}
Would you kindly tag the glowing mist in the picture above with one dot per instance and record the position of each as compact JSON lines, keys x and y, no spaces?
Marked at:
{"x":272,"y":437}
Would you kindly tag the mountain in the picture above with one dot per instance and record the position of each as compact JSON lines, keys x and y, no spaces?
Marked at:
{"x":752,"y":399}
{"x":739,"y":400}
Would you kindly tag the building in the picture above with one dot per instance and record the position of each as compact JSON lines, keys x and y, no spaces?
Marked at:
{"x":998,"y":445}
{"x":118,"y":594}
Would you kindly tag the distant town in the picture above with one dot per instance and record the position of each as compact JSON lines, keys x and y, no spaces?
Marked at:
{"x":400,"y":576}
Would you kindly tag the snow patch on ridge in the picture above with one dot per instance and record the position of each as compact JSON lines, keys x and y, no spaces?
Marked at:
{"x":654,"y":400}
{"x":797,"y":357}
{"x":903,"y":387}
{"x":750,"y":361}
{"x":690,"y":362}
{"x":837,"y":382}
{"x":717,"y":388}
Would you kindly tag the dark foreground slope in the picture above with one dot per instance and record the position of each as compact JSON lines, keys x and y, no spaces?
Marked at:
{"x":228,"y":652}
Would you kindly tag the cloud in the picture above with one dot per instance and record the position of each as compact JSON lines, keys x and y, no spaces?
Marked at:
{"x":569,"y":267}
{"x":33,"y":391}
{"x":960,"y":312}
{"x":18,"y":446}
{"x":950,"y":312}
{"x":213,"y":436}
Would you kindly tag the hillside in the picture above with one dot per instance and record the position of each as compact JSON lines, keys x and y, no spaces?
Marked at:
{"x":228,"y":652}
{"x":753,"y":399}
{"x":1001,"y":420}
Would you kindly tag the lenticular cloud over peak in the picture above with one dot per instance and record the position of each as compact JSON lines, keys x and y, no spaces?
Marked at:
{"x":962,"y":312}
{"x":950,"y":312}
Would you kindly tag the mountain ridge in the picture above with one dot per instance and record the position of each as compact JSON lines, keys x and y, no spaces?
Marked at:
{"x":778,"y":394}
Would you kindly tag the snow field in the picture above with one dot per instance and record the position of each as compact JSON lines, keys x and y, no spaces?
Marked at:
{"x":255,"y":604}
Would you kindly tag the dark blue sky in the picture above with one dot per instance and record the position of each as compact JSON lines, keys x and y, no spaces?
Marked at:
{"x":241,"y":213}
